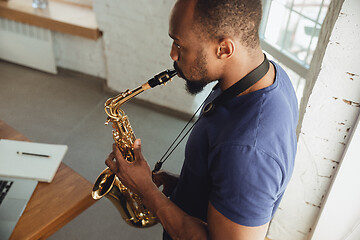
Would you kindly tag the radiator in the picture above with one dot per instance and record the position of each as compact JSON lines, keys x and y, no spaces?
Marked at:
{"x":27,"y":45}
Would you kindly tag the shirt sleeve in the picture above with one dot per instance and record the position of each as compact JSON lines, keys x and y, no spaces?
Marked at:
{"x":245,"y":182}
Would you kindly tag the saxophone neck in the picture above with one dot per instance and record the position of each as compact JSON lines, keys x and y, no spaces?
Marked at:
{"x":125,"y":96}
{"x":112,"y":105}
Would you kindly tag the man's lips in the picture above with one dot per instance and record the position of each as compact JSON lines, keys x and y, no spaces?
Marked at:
{"x":178,"y":70}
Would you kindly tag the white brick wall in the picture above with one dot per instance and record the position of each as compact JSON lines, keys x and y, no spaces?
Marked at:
{"x":330,"y":114}
{"x":134,"y":48}
{"x":80,"y":54}
{"x":137,"y":46}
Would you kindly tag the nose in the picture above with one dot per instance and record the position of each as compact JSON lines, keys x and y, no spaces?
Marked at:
{"x":174,"y":53}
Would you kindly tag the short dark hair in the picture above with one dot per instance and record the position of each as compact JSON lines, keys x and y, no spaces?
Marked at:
{"x":229,"y":18}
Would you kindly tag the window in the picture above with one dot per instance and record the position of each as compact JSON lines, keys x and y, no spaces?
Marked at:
{"x":289,"y":33}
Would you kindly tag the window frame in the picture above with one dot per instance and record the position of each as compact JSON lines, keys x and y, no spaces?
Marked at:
{"x":299,"y":67}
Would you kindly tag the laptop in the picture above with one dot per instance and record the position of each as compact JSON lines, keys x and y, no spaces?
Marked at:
{"x":14,"y":196}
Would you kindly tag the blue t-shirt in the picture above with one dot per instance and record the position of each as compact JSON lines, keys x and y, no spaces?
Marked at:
{"x":240,"y":157}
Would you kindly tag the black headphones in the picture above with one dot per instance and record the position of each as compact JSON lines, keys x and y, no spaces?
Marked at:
{"x":240,"y":86}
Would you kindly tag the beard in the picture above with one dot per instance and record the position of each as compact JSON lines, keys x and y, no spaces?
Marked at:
{"x":198,"y":74}
{"x":195,"y":87}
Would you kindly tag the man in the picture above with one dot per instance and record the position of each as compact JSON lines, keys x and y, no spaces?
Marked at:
{"x":239,"y":158}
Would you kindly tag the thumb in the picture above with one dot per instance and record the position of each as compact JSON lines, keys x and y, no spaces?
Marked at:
{"x":137,"y":149}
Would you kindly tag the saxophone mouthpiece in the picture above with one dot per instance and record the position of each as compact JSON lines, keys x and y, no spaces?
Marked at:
{"x":162,"y":77}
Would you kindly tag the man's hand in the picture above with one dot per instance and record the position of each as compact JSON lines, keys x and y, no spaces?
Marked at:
{"x":134,"y":175}
{"x":167,"y":180}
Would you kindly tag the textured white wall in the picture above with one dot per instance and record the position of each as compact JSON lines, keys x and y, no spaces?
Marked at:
{"x":80,"y":54}
{"x":137,"y":46}
{"x":330,"y":114}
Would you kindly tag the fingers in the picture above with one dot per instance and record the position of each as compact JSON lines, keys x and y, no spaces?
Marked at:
{"x":115,"y":159}
{"x":157,"y":179}
{"x":167,"y":180}
{"x":137,"y":150}
{"x":111,"y":163}
{"x":116,"y":150}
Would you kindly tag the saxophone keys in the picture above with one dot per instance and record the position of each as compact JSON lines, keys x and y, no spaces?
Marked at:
{"x":170,"y":80}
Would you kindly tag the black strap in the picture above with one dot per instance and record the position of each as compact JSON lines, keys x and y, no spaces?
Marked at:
{"x":237,"y":88}
{"x":240,"y":86}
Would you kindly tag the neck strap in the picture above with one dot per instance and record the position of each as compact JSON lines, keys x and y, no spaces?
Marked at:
{"x":240,"y":86}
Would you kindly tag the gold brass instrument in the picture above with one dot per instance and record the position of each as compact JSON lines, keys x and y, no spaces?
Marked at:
{"x":108,"y":184}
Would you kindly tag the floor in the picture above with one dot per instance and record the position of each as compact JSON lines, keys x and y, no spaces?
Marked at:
{"x":68,"y":109}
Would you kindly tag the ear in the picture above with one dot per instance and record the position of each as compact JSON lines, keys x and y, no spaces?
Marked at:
{"x":226,"y":48}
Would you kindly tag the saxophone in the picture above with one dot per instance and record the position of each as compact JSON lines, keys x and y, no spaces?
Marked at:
{"x":108,"y":184}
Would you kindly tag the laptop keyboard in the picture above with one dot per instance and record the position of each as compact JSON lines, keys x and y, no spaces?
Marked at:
{"x":4,"y":189}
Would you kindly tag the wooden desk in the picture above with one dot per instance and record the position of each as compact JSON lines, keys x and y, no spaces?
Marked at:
{"x":54,"y":204}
